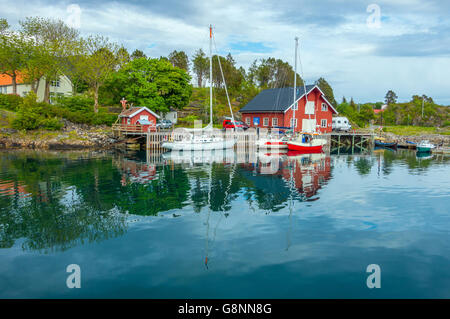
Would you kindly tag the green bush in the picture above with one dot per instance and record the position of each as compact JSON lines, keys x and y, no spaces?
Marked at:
{"x":10,"y":102}
{"x":76,"y":103}
{"x":51,"y":124}
{"x":32,"y":115}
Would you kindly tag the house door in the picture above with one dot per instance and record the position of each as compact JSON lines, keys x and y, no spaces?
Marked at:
{"x":308,"y":125}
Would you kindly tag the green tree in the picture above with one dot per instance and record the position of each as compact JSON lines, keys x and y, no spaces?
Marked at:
{"x":154,"y":83}
{"x":232,"y":75}
{"x":200,"y":66}
{"x":55,"y":42}
{"x":12,"y":48}
{"x":327,"y":90}
{"x":124,"y":56}
{"x":179,"y":59}
{"x":137,"y":54}
{"x":390,"y":98}
{"x":98,"y":60}
{"x":272,"y":73}
{"x":4,"y":26}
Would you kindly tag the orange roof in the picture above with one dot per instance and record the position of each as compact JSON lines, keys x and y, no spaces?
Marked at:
{"x":130,"y":111}
{"x":7,"y":80}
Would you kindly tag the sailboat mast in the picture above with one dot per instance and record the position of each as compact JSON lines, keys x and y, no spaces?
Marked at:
{"x":295,"y":83}
{"x":210,"y":77}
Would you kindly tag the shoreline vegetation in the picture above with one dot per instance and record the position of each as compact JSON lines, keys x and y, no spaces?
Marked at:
{"x":102,"y":73}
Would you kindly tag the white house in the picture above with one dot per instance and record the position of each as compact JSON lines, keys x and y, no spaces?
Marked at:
{"x":61,"y":87}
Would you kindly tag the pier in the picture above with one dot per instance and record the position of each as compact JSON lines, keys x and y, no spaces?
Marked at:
{"x":153,"y":140}
{"x":352,"y":140}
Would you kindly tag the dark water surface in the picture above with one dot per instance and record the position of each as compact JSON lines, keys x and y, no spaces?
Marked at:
{"x":247,"y":226}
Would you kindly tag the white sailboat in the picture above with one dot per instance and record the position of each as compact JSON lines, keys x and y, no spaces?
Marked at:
{"x":204,"y":139}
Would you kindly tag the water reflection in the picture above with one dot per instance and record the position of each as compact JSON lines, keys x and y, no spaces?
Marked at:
{"x":55,"y":201}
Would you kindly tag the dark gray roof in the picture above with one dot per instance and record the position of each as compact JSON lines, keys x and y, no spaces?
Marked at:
{"x":274,"y":100}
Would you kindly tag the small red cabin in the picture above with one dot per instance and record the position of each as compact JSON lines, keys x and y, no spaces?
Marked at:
{"x":274,"y":108}
{"x":139,"y":116}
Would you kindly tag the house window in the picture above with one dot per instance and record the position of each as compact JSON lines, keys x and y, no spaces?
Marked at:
{"x":295,"y":107}
{"x":266,"y":121}
{"x":274,"y":121}
{"x":54,"y":97}
{"x":128,"y":121}
{"x":292,"y":122}
{"x":309,"y":108}
{"x":56,"y":83}
{"x":248,"y":121}
{"x":323,"y":123}
{"x":3,"y":89}
{"x":324,"y":107}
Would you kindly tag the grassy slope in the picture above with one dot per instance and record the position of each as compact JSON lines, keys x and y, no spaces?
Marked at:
{"x":416,"y":130}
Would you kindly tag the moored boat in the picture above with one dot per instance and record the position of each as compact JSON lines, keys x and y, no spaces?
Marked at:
{"x":306,"y":143}
{"x":425,"y":146}
{"x":206,"y":139}
{"x":379,"y":142}
{"x":199,"y":143}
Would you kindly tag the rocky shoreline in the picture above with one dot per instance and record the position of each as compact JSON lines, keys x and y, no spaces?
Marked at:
{"x":79,"y":137}
{"x":71,"y":137}
{"x":436,"y":139}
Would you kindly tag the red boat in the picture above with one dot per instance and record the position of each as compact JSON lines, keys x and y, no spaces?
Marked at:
{"x":306,"y":143}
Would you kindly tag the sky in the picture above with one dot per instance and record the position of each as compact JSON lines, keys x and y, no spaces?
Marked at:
{"x":362,"y":48}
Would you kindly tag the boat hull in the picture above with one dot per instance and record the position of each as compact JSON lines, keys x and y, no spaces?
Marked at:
{"x":389,"y":145}
{"x":272,"y":144}
{"x":196,"y":146}
{"x":422,"y":149}
{"x":304,"y":148}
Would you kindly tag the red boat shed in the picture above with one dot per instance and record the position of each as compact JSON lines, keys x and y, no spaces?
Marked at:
{"x":139,"y":115}
{"x":274,"y":108}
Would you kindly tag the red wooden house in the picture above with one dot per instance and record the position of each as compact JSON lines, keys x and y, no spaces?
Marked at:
{"x":138,"y":117}
{"x":274,"y":108}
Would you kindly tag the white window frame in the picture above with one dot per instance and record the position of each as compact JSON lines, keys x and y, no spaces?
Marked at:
{"x":144,"y":117}
{"x":324,"y":107}
{"x":321,"y":123}
{"x":265,"y":121}
{"x":248,"y":120}
{"x":274,"y":121}
{"x":292,"y":122}
{"x":56,"y":83}
{"x":128,"y":121}
{"x":309,"y":107}
{"x":295,"y":106}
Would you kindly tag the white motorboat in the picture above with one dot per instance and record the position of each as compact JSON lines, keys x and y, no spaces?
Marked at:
{"x":425,"y":146}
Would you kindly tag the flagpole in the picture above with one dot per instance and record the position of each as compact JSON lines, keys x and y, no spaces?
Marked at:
{"x":210,"y":77}
{"x":295,"y":84}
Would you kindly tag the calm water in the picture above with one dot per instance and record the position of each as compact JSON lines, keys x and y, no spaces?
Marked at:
{"x":247,"y":226}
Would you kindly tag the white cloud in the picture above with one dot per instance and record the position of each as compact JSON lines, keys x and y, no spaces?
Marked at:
{"x":335,"y":41}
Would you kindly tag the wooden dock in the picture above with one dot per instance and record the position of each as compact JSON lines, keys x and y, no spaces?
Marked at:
{"x":244,"y":139}
{"x":350,"y":140}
